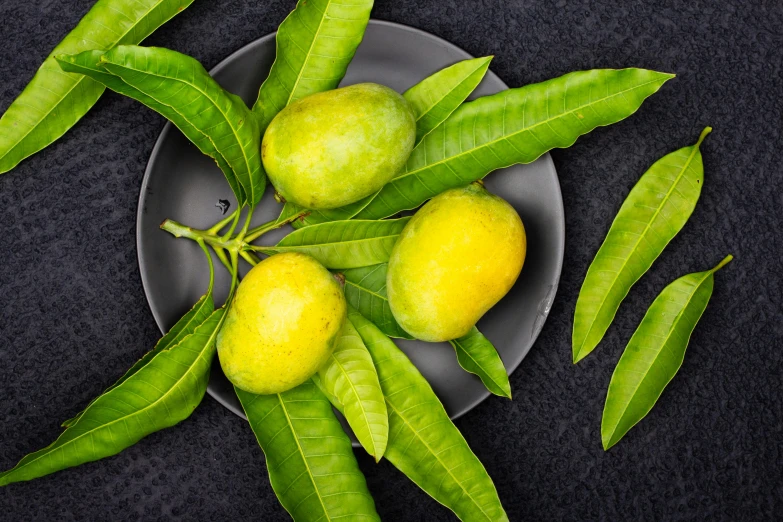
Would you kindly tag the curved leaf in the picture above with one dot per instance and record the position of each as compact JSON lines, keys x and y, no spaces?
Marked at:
{"x":89,"y":64}
{"x":343,"y":244}
{"x":365,"y":290}
{"x":309,"y":457}
{"x":437,"y":96}
{"x":423,"y":442}
{"x":349,"y":376}
{"x":54,"y":101}
{"x":477,"y":355}
{"x":655,"y":353}
{"x":314,"y":217}
{"x":654,"y":212}
{"x":162,"y":393}
{"x":315,"y":44}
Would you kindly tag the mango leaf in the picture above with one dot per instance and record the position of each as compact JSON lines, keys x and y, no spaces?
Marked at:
{"x":311,"y":464}
{"x":477,"y":355}
{"x":314,"y":217}
{"x":315,"y":44}
{"x":655,"y":353}
{"x":365,"y":290}
{"x":343,"y":244}
{"x":437,"y":96}
{"x":423,"y":442}
{"x":349,"y":376}
{"x":510,"y":127}
{"x":160,"y":394}
{"x":54,"y":101}
{"x":89,"y":63}
{"x":654,"y":212}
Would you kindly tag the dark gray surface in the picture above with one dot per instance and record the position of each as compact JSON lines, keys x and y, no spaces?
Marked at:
{"x":74,"y":315}
{"x":182,"y":184}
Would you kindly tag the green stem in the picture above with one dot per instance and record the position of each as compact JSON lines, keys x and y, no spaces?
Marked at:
{"x":723,"y":263}
{"x":180,"y":230}
{"x":225,"y":221}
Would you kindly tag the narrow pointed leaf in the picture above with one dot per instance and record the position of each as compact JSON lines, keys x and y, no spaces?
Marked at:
{"x":314,"y":217}
{"x":54,"y":101}
{"x":437,"y":96}
{"x":162,"y":393}
{"x":654,"y":212}
{"x":654,"y":353}
{"x":349,"y":376}
{"x":309,"y":457}
{"x":315,"y":45}
{"x":423,"y":442}
{"x":477,"y":355}
{"x":343,"y":244}
{"x":365,"y":290}
{"x":89,"y":64}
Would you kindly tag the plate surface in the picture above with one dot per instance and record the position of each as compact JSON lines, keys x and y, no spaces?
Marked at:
{"x":182,"y":184}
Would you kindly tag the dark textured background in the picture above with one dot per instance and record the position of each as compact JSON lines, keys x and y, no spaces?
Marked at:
{"x":74,"y":315}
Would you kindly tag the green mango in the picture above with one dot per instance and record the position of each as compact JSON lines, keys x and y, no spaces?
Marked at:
{"x":283,"y":324}
{"x":454,"y":260}
{"x":332,"y":148}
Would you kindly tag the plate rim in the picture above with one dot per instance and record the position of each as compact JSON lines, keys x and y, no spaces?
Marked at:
{"x":167,"y":128}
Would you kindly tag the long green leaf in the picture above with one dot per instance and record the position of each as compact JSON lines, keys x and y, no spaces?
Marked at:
{"x":314,"y":217}
{"x":89,"y":64}
{"x":309,"y":457}
{"x":510,"y":127}
{"x":54,"y":101}
{"x":654,"y":212}
{"x":349,"y":376}
{"x":315,"y":45}
{"x":437,"y":96}
{"x":162,"y":393}
{"x":423,"y":442}
{"x":343,"y":244}
{"x":477,"y":355}
{"x":365,"y":290}
{"x":655,"y":353}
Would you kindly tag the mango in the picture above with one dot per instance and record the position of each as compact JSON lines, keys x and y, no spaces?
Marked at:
{"x":333,"y":148}
{"x":282,"y":325}
{"x":454,"y":260}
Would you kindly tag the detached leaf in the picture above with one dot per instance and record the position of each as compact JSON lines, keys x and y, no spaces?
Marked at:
{"x":478,"y":356}
{"x":436,"y":97}
{"x":349,"y":376}
{"x":655,"y":353}
{"x":309,"y":457}
{"x":315,"y":45}
{"x":423,"y":442}
{"x":54,"y":101}
{"x":365,"y":290}
{"x":343,"y":244}
{"x":160,"y":394}
{"x":654,"y":212}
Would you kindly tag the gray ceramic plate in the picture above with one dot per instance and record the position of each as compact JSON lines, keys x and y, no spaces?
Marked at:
{"x":182,"y":184}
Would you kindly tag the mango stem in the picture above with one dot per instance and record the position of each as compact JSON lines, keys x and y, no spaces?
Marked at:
{"x":726,"y":260}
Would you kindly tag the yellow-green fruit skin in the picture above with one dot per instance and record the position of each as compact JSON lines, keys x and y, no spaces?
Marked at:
{"x":333,"y":148}
{"x":282,"y":325}
{"x":455,"y":259}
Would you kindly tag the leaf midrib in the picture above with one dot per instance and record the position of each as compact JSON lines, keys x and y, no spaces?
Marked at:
{"x":462,"y":82}
{"x":300,"y":74}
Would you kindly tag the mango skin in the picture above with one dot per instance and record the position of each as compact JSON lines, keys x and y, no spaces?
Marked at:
{"x":333,"y":148}
{"x":455,"y":259}
{"x":283,"y":324}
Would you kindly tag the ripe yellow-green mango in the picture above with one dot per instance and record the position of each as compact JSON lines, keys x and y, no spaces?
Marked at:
{"x":455,"y":259}
{"x":333,"y":148}
{"x":283,"y":324}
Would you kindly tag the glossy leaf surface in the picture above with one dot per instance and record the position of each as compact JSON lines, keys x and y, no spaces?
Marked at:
{"x":343,"y":244}
{"x":655,"y":353}
{"x":423,"y":442}
{"x":437,"y":96}
{"x":365,"y":290}
{"x":54,"y":101}
{"x":314,"y":217}
{"x":477,"y":355}
{"x":309,"y":457}
{"x":654,"y":212}
{"x":349,"y":376}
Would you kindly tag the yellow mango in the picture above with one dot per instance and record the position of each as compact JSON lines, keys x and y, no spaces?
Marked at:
{"x":283,"y":324}
{"x":333,"y":148}
{"x":455,"y":259}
